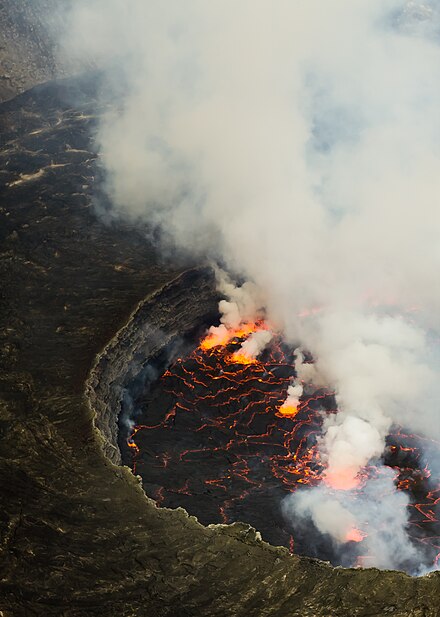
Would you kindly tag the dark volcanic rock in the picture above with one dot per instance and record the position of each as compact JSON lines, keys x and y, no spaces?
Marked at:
{"x":176,"y":308}
{"x":78,"y":536}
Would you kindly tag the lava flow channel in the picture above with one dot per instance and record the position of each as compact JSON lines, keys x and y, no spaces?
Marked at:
{"x":215,"y":439}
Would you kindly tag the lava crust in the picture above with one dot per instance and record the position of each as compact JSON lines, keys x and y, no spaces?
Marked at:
{"x":212,"y":435}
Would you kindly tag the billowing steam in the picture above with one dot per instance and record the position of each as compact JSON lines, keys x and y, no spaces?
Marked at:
{"x":299,"y":142}
{"x":243,"y":304}
{"x":343,"y":517}
{"x":254,"y":345}
{"x":294,"y":393}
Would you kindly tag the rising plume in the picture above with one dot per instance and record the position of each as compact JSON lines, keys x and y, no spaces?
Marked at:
{"x":298,"y":143}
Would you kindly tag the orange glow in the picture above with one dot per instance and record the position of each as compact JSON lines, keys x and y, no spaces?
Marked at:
{"x":131,"y":444}
{"x":221,"y":336}
{"x":354,"y":535}
{"x":341,"y":479}
{"x":287,"y":411}
{"x":308,"y":312}
{"x":247,"y":329}
{"x":225,"y":392}
{"x":216,"y":339}
{"x":239,"y":357}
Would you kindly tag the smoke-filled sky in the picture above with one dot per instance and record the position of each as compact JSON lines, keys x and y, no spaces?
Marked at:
{"x":298,"y":142}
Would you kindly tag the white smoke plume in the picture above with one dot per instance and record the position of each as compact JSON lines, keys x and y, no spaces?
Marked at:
{"x":243,"y":303}
{"x":243,"y":306}
{"x":381,"y":524}
{"x":255,"y":344}
{"x":299,"y":142}
{"x":294,"y":393}
{"x":325,"y":510}
{"x":307,"y":372}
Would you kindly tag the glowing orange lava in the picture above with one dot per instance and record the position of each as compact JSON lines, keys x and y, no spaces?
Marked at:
{"x":355,"y":535}
{"x":341,"y":479}
{"x":224,"y":420}
{"x":132,"y":445}
{"x":220,"y":336}
{"x":217,"y":338}
{"x":239,"y":357}
{"x":287,"y":411}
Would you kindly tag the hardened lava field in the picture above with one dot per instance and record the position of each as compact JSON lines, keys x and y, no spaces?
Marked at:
{"x":210,"y":437}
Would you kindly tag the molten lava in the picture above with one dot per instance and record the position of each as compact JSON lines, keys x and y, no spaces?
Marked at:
{"x":217,"y":337}
{"x":220,"y":336}
{"x":355,"y":535}
{"x":219,"y":437}
{"x":341,"y":479}
{"x":287,"y":411}
{"x":239,"y":357}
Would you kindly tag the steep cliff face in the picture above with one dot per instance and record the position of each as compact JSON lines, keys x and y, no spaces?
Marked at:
{"x":172,"y":311}
{"x":28,"y":53}
{"x":79,"y":537}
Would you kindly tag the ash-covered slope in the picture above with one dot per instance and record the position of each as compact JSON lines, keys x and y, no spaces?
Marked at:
{"x":28,"y":54}
{"x":78,"y":535}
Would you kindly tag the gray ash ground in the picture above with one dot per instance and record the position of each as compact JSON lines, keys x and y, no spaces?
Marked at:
{"x":209,"y":437}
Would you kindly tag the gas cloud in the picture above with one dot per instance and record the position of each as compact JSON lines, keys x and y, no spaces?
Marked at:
{"x":297,"y":143}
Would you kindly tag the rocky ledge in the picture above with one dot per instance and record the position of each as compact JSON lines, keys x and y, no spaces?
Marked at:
{"x":177,"y":308}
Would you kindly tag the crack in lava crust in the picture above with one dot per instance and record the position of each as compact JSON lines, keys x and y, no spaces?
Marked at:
{"x":214,"y":439}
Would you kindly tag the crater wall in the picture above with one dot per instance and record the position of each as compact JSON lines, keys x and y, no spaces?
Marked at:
{"x":167,"y":314}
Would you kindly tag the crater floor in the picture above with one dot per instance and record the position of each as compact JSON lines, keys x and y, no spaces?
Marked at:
{"x":207,"y":431}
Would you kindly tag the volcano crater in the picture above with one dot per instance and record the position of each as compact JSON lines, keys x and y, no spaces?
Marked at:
{"x":205,"y":433}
